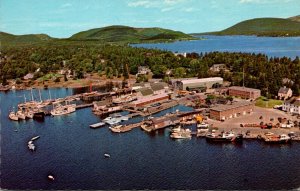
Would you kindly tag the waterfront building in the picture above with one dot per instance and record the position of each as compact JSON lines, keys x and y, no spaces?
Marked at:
{"x":292,"y":105}
{"x":149,"y":100}
{"x":236,"y":109}
{"x":285,"y":93}
{"x":244,"y":92}
{"x":202,"y":83}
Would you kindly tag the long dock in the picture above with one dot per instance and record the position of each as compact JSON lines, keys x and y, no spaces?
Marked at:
{"x":81,"y":106}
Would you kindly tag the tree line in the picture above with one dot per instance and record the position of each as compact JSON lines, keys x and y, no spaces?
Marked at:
{"x":260,"y":71}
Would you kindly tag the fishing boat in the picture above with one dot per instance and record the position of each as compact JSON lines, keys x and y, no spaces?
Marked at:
{"x":63,"y":109}
{"x":20,"y":115}
{"x":12,"y":115}
{"x":277,"y":139}
{"x":38,"y":114}
{"x":224,"y":137}
{"x":116,"y":129}
{"x":181,"y":134}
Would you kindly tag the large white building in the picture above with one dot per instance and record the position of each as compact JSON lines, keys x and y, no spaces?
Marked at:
{"x":189,"y":84}
{"x":292,"y":105}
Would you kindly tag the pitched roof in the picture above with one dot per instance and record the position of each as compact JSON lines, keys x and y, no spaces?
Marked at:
{"x":158,"y":86}
{"x":145,"y":91}
{"x":283,"y":90}
{"x":293,"y":101}
{"x":239,"y":88}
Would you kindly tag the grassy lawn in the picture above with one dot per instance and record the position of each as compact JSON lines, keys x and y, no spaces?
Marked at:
{"x":267,"y":103}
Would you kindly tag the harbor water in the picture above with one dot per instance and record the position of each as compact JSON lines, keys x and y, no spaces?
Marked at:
{"x":74,"y":154}
{"x":271,"y":46}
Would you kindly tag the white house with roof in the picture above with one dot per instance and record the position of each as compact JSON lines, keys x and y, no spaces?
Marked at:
{"x":285,"y":93}
{"x":292,"y":105}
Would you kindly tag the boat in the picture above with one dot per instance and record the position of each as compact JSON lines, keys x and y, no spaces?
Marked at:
{"x":29,"y":114}
{"x":176,"y":129}
{"x":107,"y":155}
{"x":35,"y":138}
{"x":277,"y":139}
{"x":39,"y":114}
{"x":31,"y":146}
{"x":51,"y":177}
{"x":20,"y":115}
{"x":116,"y":129}
{"x":113,"y":121}
{"x":12,"y":115}
{"x":96,"y":125}
{"x":124,"y":99}
{"x":63,"y":109}
{"x":202,"y":125}
{"x":182,"y":134}
{"x":224,"y":137}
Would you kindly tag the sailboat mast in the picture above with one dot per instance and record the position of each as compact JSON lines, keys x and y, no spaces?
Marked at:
{"x":24,"y":98}
{"x":31,"y":95}
{"x":49,"y":94}
{"x":40,"y":95}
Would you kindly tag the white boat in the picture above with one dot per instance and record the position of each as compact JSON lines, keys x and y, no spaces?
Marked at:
{"x":113,"y":121}
{"x":116,"y":129}
{"x":29,"y":114}
{"x":96,"y":125}
{"x":124,"y":118}
{"x":202,"y":125}
{"x":51,"y":177}
{"x":20,"y":115}
{"x":35,"y":138}
{"x":182,"y":134}
{"x":31,"y":146}
{"x":107,"y":119}
{"x":107,"y":155}
{"x":12,"y":115}
{"x":63,"y":109}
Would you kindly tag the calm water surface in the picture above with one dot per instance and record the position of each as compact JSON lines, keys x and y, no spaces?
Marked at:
{"x":73,"y":152}
{"x":271,"y":46}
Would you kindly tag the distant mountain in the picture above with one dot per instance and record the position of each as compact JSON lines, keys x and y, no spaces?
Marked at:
{"x":130,"y":35}
{"x":7,"y":38}
{"x":263,"y":27}
{"x":295,"y":18}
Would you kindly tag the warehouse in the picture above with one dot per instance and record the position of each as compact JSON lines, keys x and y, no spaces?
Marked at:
{"x":203,"y":83}
{"x":243,"y":92}
{"x":236,"y":109}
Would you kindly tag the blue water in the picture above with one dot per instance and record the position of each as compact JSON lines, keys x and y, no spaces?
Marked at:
{"x":271,"y":46}
{"x":73,"y":153}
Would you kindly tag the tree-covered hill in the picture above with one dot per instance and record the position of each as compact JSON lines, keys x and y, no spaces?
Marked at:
{"x":6,"y":38}
{"x":130,"y":35}
{"x":263,"y":27}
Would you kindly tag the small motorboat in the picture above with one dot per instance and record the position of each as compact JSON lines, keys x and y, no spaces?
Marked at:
{"x":51,"y":177}
{"x":35,"y":138}
{"x":31,"y":146}
{"x":13,"y":116}
{"x":107,"y":155}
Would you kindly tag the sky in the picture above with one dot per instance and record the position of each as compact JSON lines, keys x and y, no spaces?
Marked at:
{"x":63,"y":18}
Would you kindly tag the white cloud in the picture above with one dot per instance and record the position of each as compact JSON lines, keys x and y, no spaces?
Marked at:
{"x":164,"y":6}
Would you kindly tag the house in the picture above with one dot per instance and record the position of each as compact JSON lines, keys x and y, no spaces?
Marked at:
{"x":292,"y":105}
{"x":143,"y":70}
{"x":244,"y":92}
{"x":180,"y":54}
{"x":28,"y":76}
{"x":218,"y":67}
{"x":223,"y":112}
{"x":159,"y":88}
{"x":284,"y":93}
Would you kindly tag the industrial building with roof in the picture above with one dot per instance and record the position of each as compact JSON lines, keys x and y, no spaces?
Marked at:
{"x":243,"y":92}
{"x":223,"y":112}
{"x":207,"y":83}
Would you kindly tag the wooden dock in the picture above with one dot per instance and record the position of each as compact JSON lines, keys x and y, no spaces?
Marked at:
{"x":81,"y":106}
